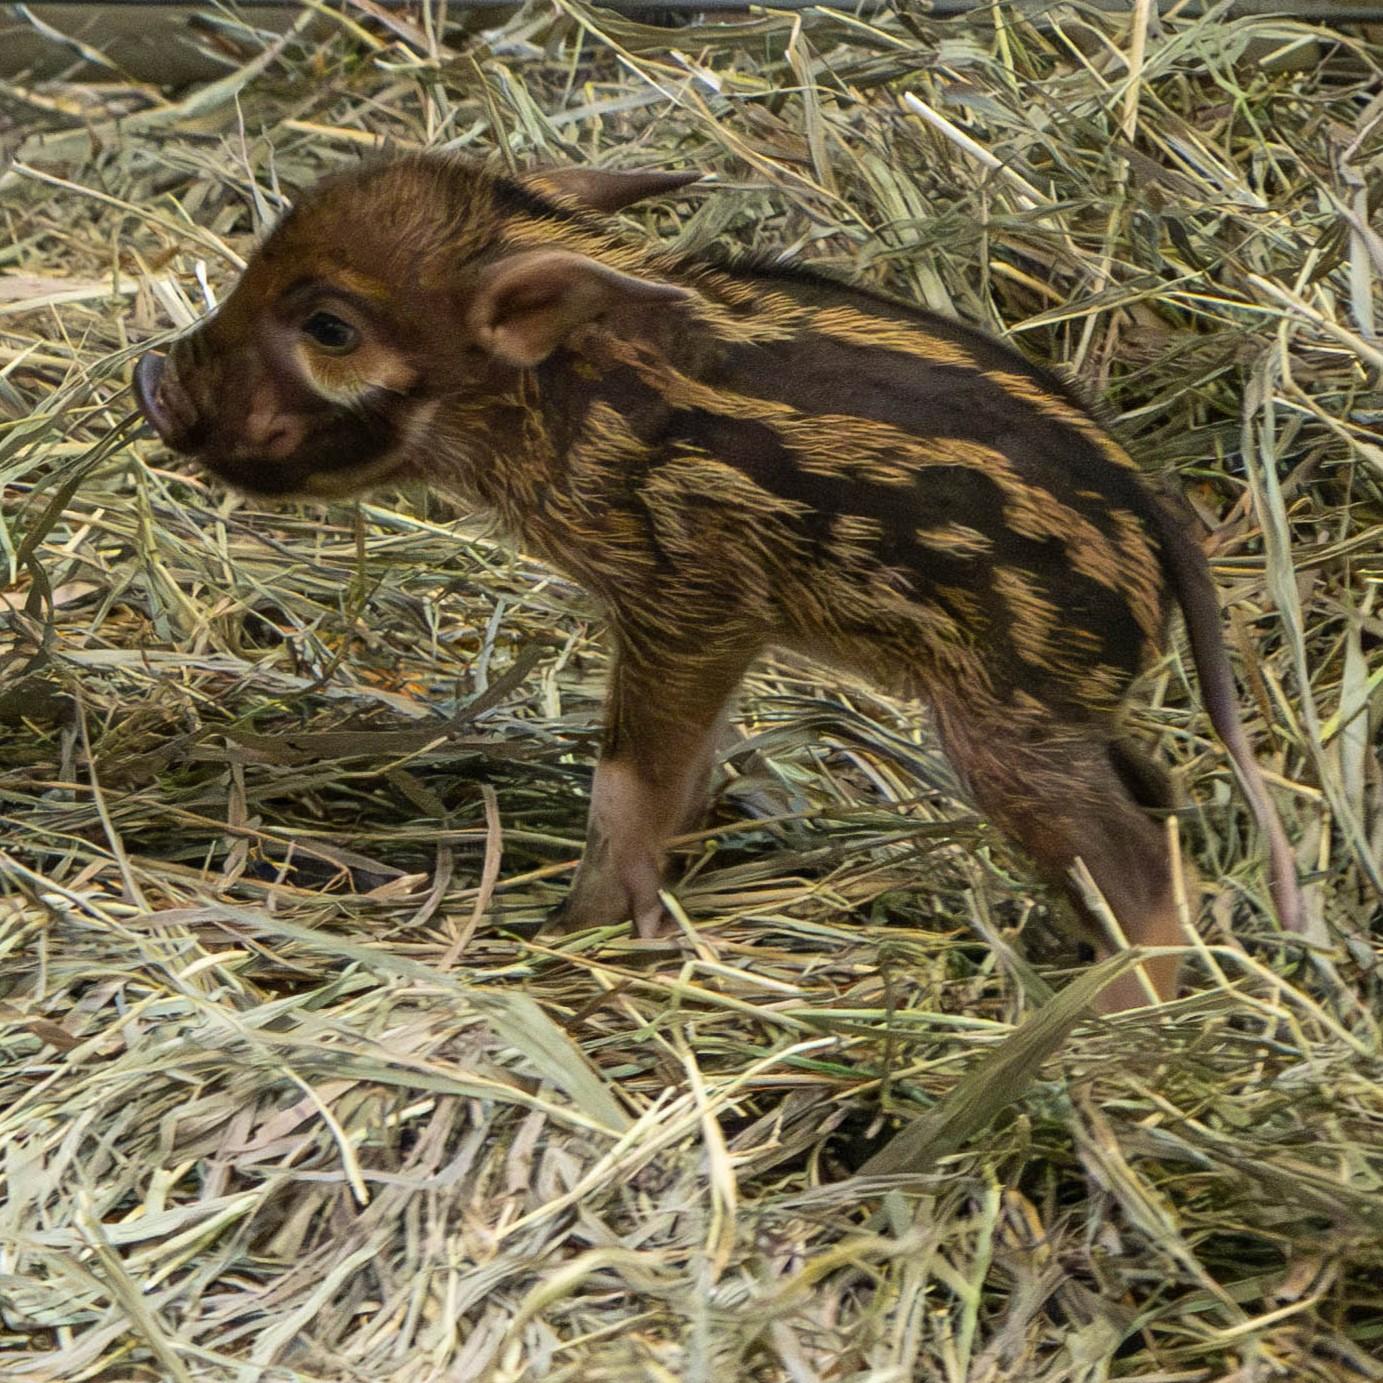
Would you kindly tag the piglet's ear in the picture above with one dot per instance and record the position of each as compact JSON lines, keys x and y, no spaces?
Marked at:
{"x":525,"y":306}
{"x":604,"y":189}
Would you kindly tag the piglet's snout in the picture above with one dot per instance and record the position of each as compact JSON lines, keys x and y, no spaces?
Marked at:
{"x":167,"y":406}
{"x":148,"y":376}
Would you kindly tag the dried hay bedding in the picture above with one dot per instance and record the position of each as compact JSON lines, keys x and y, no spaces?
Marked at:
{"x":289,"y":1089}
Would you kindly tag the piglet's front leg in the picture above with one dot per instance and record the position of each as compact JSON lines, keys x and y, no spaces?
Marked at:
{"x":666,"y":706}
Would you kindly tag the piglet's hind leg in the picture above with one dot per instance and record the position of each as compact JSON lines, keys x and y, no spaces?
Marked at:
{"x":1062,"y":794}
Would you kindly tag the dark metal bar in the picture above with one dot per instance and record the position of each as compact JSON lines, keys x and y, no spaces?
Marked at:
{"x":1307,"y":11}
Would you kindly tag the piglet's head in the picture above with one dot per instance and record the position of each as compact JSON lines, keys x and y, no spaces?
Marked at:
{"x":388,"y":293}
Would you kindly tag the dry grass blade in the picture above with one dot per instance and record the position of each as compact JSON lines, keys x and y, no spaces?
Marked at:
{"x":289,"y":1091}
{"x":998,"y":1080}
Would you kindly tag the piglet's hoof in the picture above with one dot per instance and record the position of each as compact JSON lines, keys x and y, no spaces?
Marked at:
{"x":651,"y":922}
{"x":665,"y":955}
{"x":562,"y":921}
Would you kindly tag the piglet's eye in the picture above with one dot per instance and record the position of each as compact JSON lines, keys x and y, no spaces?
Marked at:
{"x":331,"y":334}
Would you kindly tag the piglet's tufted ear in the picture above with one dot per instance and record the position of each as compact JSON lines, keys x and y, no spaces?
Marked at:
{"x":601,"y":189}
{"x":526,"y":304}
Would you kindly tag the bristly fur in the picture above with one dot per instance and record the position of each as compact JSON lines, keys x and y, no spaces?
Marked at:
{"x":732,"y":454}
{"x":762,"y":264}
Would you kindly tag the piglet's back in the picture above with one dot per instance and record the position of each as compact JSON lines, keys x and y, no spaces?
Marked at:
{"x":934,"y":495}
